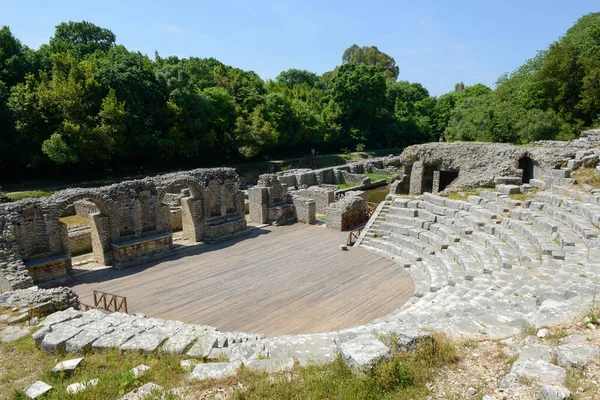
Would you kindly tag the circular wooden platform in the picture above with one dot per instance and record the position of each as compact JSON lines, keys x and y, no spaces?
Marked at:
{"x":276,"y":280}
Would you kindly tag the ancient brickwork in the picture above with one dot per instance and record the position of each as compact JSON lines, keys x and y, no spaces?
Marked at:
{"x":487,"y":164}
{"x":80,"y":239}
{"x":35,"y":245}
{"x":270,"y":202}
{"x":305,"y":209}
{"x":322,"y":195}
{"x":346,"y":213}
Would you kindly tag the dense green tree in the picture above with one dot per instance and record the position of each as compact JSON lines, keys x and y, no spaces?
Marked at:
{"x":371,"y":55}
{"x":81,"y":39}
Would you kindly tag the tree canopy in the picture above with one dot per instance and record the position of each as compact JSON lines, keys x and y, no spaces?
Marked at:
{"x":85,"y":105}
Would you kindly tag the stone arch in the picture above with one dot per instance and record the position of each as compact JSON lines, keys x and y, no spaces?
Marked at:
{"x":527,"y":165}
{"x":192,"y":183}
{"x":104,"y":226}
{"x":192,"y":208}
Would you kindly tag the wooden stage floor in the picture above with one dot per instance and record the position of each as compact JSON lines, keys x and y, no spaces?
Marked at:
{"x":276,"y":280}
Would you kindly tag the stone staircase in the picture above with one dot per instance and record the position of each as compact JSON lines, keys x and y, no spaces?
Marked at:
{"x":491,"y":264}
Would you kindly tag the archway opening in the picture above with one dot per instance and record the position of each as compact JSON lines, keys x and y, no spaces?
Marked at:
{"x":427,"y":186}
{"x":76,"y":217}
{"x":526,"y":164}
{"x":446,"y":178}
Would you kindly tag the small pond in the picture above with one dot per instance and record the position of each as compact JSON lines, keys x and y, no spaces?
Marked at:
{"x":378,"y":194}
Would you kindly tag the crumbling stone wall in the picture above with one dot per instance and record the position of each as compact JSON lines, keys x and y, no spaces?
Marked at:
{"x":483,"y":164}
{"x":41,"y":301}
{"x":346,"y":213}
{"x":270,"y":202}
{"x":32,"y":237}
{"x":305,"y":209}
{"x":80,"y":239}
{"x":322,"y":195}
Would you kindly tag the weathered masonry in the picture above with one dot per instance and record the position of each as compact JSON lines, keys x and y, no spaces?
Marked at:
{"x":445,"y":167}
{"x":132,"y":222}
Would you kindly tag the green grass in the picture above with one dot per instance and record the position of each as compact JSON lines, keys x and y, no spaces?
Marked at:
{"x":463,"y":195}
{"x":587,"y":176}
{"x":34,"y":194}
{"x":346,"y":185}
{"x":404,"y":376}
{"x":29,"y":364}
{"x":72,"y":220}
{"x":524,"y":195}
{"x":377,"y":177}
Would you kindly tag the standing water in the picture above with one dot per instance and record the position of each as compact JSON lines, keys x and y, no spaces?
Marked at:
{"x":378,"y":194}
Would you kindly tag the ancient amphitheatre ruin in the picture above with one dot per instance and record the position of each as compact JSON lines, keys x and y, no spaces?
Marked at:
{"x":522,"y":252}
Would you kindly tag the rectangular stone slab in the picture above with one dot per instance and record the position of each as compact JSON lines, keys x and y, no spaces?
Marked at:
{"x":203,"y":346}
{"x":116,"y":338}
{"x":83,"y":341}
{"x":145,"y":342}
{"x":56,"y":340}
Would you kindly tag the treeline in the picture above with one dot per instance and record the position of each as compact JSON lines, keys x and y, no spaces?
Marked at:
{"x":84,"y":106}
{"x":554,"y":95}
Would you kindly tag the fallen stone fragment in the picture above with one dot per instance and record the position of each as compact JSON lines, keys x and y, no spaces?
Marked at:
{"x":536,"y":352}
{"x":67,"y":365}
{"x":12,"y":333}
{"x":554,"y":393}
{"x":187,"y":365}
{"x":213,"y":371}
{"x":271,"y":365}
{"x":143,"y":392}
{"x":81,"y":386}
{"x":37,"y":389}
{"x":363,"y":351}
{"x":139,"y":370}
{"x":576,"y":355}
{"x":203,"y":346}
{"x":540,"y":370}
{"x":542,"y":333}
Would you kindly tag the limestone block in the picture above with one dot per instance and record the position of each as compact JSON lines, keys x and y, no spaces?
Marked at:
{"x":553,"y":393}
{"x":271,"y":365}
{"x":67,"y":365}
{"x":305,"y":209}
{"x":81,"y":386}
{"x":145,"y":342}
{"x":508,"y":189}
{"x":363,"y":351}
{"x":56,"y":340}
{"x":143,"y":392}
{"x":139,"y":371}
{"x":37,"y":389}
{"x":214,"y":371}
{"x":203,"y":346}
{"x":576,"y":355}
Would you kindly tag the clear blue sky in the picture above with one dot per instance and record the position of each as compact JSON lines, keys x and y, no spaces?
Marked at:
{"x":437,"y":43}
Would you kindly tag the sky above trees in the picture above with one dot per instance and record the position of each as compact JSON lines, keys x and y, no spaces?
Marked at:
{"x":436,"y":43}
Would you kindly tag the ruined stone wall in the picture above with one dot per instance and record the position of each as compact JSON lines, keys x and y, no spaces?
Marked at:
{"x":346,"y":213}
{"x":80,"y":239}
{"x":84,"y":208}
{"x":483,"y":164}
{"x":322,"y":195}
{"x":30,"y":230}
{"x":305,"y":209}
{"x":354,"y":178}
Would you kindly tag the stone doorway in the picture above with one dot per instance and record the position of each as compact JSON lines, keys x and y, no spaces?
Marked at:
{"x":526,"y":164}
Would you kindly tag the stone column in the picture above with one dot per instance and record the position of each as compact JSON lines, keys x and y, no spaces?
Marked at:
{"x":416,"y":178}
{"x":192,"y":219}
{"x":436,"y":182}
{"x":137,"y":218}
{"x":258,"y":198}
{"x":163,"y":219}
{"x":101,"y":238}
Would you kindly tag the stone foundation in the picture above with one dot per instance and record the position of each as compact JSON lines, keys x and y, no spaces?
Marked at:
{"x":49,"y":269}
{"x":346,"y":213}
{"x":133,"y":251}
{"x":305,"y":209}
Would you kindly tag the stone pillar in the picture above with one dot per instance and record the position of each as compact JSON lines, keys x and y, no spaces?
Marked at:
{"x":163,"y":219}
{"x":101,"y":239}
{"x":192,"y":219}
{"x":138,"y":228}
{"x":56,"y":243}
{"x":436,"y":182}
{"x":416,"y":178}
{"x":258,"y":198}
